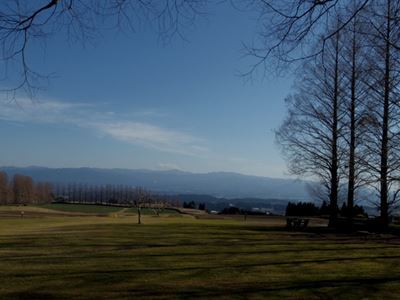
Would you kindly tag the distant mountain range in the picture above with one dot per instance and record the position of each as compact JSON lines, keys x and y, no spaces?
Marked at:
{"x":218,"y":184}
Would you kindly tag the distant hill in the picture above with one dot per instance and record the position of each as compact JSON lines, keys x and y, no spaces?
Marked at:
{"x":217,"y":184}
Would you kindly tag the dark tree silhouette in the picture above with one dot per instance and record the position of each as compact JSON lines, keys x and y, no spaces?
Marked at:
{"x":311,"y":135}
{"x":288,"y":28}
{"x":382,"y":139}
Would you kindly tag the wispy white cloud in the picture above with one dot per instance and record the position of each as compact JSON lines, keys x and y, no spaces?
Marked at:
{"x":109,"y":123}
{"x":26,"y":110}
{"x":151,"y":136}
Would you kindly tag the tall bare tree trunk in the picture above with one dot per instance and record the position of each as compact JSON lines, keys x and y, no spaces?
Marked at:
{"x":384,"y":194}
{"x":333,"y":196}
{"x":352,"y":145}
{"x":139,"y":219}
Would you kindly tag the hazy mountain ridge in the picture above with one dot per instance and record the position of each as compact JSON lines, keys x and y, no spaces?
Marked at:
{"x":218,"y":184}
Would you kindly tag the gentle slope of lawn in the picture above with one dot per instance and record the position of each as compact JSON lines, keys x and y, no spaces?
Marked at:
{"x":150,"y":211}
{"x":102,"y":209}
{"x":82,"y":208}
{"x":168,"y":257}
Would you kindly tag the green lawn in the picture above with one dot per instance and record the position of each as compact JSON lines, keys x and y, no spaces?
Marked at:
{"x":170,"y":257}
{"x":102,"y":209}
{"x":149,"y":211}
{"x":83,"y":208}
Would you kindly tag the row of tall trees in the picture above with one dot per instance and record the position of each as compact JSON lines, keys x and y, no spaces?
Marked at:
{"x":22,"y":189}
{"x":342,"y":125}
{"x":193,"y":205}
{"x":310,"y":209}
{"x":110,"y":194}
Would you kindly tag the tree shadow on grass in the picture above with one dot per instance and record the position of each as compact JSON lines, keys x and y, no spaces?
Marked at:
{"x":139,"y":271}
{"x":32,"y":295}
{"x":318,"y":289}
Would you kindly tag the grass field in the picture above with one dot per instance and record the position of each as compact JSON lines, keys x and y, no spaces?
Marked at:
{"x":102,"y":209}
{"x":57,"y":256}
{"x":149,"y":211}
{"x":83,"y":208}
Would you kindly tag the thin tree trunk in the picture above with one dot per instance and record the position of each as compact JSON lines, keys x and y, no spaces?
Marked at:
{"x":334,"y":167}
{"x":139,"y":215}
{"x":384,"y":193}
{"x":352,"y":146}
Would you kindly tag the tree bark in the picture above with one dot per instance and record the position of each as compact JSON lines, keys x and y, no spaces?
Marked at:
{"x":139,"y":215}
{"x":335,"y":165}
{"x":352,"y":145}
{"x":385,"y":126}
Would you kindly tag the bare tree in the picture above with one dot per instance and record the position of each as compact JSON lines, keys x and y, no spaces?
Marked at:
{"x":142,"y":198}
{"x":288,"y":28}
{"x":382,"y":139}
{"x":3,"y":188}
{"x":369,"y":77}
{"x":355,"y":56}
{"x":23,"y":189}
{"x":311,"y":135}
{"x":43,"y":192}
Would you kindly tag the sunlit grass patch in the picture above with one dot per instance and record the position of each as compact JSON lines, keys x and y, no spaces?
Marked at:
{"x":83,"y":208}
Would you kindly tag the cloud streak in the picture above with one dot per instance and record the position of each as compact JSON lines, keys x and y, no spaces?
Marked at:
{"x":108,"y":123}
{"x":152,"y":136}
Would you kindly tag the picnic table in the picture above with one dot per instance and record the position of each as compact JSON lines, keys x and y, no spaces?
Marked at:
{"x":297,"y":223}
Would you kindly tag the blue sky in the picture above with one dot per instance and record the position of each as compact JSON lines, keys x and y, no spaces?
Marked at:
{"x":129,"y":101}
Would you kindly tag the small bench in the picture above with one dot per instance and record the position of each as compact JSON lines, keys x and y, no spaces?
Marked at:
{"x":297,"y":223}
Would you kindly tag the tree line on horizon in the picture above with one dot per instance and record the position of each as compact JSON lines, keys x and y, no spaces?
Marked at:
{"x":343,"y":118}
{"x":111,"y":194}
{"x":193,"y":205}
{"x":309,"y":209}
{"x":22,"y":190}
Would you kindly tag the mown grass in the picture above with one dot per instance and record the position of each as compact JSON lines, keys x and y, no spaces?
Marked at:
{"x":103,"y":209}
{"x":82,"y":208}
{"x":170,"y":257}
{"x":150,"y":211}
